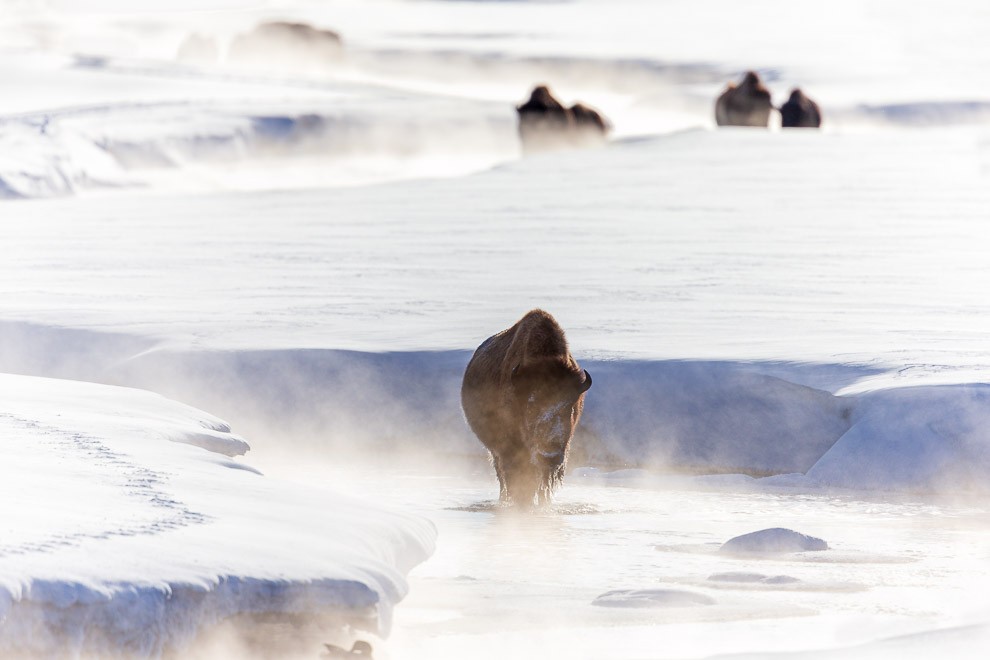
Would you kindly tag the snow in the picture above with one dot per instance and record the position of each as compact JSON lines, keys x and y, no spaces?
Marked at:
{"x":129,"y":531}
{"x":922,"y":438}
{"x":785,"y":329}
{"x":773,"y":540}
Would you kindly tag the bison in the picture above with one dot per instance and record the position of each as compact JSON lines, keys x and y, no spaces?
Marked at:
{"x":546,"y":123}
{"x":800,"y":112}
{"x":589,"y":123}
{"x":284,"y":44}
{"x":522,"y":395}
{"x":746,"y":104}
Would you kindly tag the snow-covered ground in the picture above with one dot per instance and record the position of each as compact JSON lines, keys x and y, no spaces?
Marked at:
{"x":128,"y":531}
{"x":310,"y":249}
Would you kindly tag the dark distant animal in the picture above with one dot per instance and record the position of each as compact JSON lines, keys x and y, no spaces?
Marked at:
{"x":545,"y":123}
{"x":522,"y":395}
{"x":285,"y":43}
{"x":587,"y":118}
{"x":745,"y":104}
{"x":800,"y":112}
{"x":358,"y":650}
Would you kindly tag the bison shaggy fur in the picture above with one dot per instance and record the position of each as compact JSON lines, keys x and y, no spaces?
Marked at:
{"x":745,"y":104}
{"x":287,"y":44}
{"x":800,"y":112}
{"x":546,"y":123}
{"x":522,"y":395}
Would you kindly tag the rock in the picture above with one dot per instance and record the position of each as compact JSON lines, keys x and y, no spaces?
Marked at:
{"x":772,"y":541}
{"x":752,"y":578}
{"x":652,"y":598}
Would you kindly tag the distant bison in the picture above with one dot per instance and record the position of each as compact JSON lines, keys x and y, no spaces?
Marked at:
{"x":198,"y":49}
{"x":545,"y":123}
{"x":800,"y":112}
{"x":298,"y":46}
{"x":522,"y":396}
{"x":587,"y":118}
{"x":746,"y":104}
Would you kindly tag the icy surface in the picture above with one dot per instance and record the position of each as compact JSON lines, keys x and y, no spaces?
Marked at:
{"x":125,"y":532}
{"x":895,"y":567}
{"x":652,"y":598}
{"x":753,"y":578}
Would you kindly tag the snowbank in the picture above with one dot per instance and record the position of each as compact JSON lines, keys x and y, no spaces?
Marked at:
{"x":914,"y":438}
{"x":707,"y":416}
{"x":690,"y":416}
{"x":350,"y":135}
{"x":112,"y":505}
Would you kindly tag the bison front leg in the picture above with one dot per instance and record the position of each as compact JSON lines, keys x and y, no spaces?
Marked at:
{"x":503,"y":488}
{"x":522,"y":482}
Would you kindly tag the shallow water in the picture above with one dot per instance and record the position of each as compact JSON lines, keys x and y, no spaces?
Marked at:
{"x":502,"y":584}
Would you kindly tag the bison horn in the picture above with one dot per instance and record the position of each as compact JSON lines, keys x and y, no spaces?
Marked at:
{"x":586,"y":383}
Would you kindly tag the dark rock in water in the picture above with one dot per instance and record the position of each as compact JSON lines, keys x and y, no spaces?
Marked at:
{"x":775,"y":540}
{"x":800,"y":112}
{"x":752,"y":578}
{"x":545,"y":123}
{"x":745,"y":104}
{"x":652,"y":598}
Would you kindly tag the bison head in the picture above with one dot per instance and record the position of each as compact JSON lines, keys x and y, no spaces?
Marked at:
{"x":549,"y":400}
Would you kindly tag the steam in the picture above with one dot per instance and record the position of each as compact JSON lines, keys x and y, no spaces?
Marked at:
{"x":231,"y":147}
{"x":301,"y":637}
{"x":301,"y":408}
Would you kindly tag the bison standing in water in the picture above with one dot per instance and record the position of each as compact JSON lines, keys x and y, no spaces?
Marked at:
{"x":800,"y":112}
{"x":746,"y":104}
{"x":522,"y":395}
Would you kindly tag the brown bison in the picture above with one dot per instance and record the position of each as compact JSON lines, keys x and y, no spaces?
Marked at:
{"x":299,"y":46}
{"x":545,"y":123}
{"x":746,"y":104}
{"x":800,"y":112}
{"x":522,"y":396}
{"x":590,"y":121}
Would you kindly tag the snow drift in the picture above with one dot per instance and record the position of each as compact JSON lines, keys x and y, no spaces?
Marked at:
{"x":921,"y":438}
{"x":337,"y":141}
{"x":104,"y":515}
